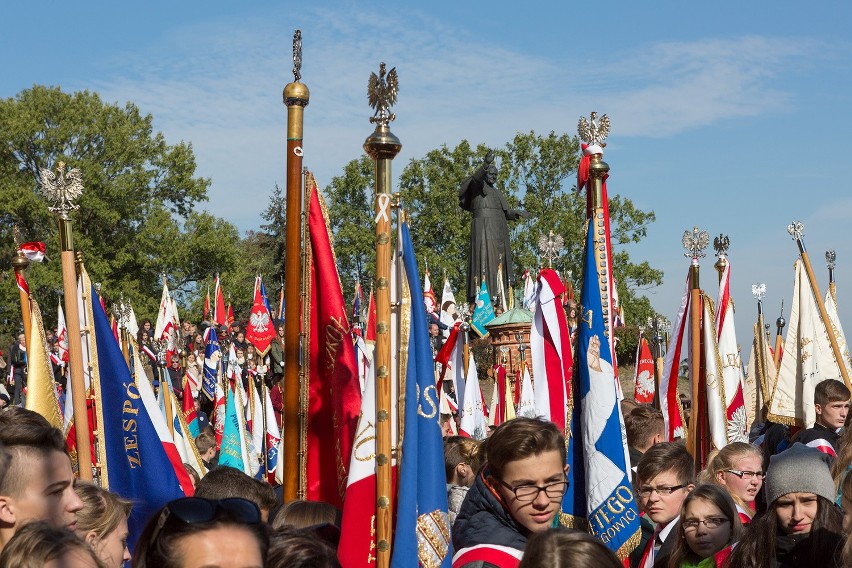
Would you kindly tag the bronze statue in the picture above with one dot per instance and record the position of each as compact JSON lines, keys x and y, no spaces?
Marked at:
{"x":489,"y":232}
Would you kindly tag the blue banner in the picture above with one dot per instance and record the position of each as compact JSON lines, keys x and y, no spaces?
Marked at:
{"x":137,"y":463}
{"x":483,"y":313}
{"x":212,"y":357}
{"x":422,"y":524}
{"x":601,"y":492}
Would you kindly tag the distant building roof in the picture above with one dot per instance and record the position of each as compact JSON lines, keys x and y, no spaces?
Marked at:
{"x":516,"y":315}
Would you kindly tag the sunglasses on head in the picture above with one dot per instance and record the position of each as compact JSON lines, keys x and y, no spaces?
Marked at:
{"x":196,"y":510}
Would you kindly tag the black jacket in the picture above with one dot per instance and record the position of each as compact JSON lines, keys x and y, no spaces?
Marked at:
{"x":482,"y":519}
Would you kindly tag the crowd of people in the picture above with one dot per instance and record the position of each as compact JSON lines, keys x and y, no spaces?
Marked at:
{"x":783,"y":500}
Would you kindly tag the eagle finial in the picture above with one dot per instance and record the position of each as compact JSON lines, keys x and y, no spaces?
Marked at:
{"x":382,"y":90}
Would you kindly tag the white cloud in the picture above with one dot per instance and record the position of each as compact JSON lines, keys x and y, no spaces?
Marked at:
{"x":218,"y":85}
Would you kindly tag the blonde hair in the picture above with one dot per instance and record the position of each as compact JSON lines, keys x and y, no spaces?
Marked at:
{"x":37,"y":543}
{"x":102,"y":510}
{"x":725,"y":460}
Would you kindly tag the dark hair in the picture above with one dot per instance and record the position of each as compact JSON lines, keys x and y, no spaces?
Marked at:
{"x":715,"y":494}
{"x":301,"y":514}
{"x":290,"y":547}
{"x":521,"y":438}
{"x":224,"y":482}
{"x":36,"y":543}
{"x":24,"y":432}
{"x":757,"y":547}
{"x":668,"y":456}
{"x":830,"y":390}
{"x":641,"y":424}
{"x":566,"y":548}
{"x":459,"y":449}
{"x":156,"y":547}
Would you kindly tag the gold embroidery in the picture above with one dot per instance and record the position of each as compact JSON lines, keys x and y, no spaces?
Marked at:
{"x":433,"y":538}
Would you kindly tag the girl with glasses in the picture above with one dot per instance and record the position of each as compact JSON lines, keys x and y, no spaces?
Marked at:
{"x":738,"y":468}
{"x":709,"y":525}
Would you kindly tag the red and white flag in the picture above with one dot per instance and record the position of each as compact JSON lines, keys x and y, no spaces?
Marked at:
{"x":643,"y":392}
{"x":733,"y":381}
{"x":33,"y":251}
{"x":669,"y":397}
{"x":550,"y":344}
{"x":428,"y":293}
{"x":62,"y":334}
{"x":260,"y":329}
{"x":220,"y":316}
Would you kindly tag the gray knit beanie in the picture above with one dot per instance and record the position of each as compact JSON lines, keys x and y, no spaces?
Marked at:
{"x":799,"y":469}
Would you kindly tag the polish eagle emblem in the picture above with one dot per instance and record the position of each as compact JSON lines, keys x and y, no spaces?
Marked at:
{"x":595,"y":130}
{"x":259,"y":321}
{"x":382,"y":90}
{"x":62,"y":188}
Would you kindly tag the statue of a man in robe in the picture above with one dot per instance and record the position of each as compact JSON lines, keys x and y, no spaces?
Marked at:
{"x":489,"y":232}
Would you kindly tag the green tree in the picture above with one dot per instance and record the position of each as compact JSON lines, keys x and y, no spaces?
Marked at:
{"x":136,"y":216}
{"x":536,"y":172}
{"x":350,"y":209}
{"x":273,"y":236}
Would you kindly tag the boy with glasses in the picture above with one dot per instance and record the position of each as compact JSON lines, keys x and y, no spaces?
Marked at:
{"x":517,"y":493}
{"x":664,"y":477}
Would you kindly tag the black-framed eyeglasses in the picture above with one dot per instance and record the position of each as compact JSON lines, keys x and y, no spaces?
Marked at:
{"x":746,"y":474}
{"x":528,"y":493}
{"x":196,"y":510}
{"x":709,"y":522}
{"x":661,"y":491}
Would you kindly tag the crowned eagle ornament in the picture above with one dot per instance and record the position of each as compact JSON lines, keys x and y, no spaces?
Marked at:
{"x":382,"y":90}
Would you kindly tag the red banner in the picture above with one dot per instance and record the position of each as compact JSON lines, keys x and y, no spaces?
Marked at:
{"x":334,"y":398}
{"x":643,"y":392}
{"x":260,"y":329}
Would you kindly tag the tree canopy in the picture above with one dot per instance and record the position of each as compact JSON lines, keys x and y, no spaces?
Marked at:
{"x":537,"y":173}
{"x":137,"y":216}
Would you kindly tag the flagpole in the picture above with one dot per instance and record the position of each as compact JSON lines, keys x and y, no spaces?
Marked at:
{"x":382,"y":146}
{"x":695,"y":243}
{"x":62,"y":189}
{"x":20,"y":263}
{"x":759,"y":291}
{"x":296,"y":96}
{"x":779,"y":339}
{"x":797,"y":231}
{"x":830,"y":260}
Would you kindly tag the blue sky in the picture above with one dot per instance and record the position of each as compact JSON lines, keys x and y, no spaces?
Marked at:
{"x":729,"y":116}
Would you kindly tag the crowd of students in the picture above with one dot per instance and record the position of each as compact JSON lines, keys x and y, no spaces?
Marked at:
{"x":783,"y":503}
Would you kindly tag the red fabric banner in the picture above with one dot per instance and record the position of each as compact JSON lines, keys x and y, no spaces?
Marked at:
{"x":260,"y":329}
{"x":334,"y":398}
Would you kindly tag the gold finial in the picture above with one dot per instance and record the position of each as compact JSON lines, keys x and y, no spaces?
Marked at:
{"x":297,"y":55}
{"x":382,"y":90}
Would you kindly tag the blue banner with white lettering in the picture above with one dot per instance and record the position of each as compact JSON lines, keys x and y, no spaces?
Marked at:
{"x":138,"y":465}
{"x":601,"y":491}
{"x":422,"y":525}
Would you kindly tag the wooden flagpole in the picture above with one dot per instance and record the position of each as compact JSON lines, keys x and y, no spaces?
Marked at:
{"x":20,"y":263}
{"x":695,"y":242}
{"x":296,"y":96}
{"x":797,"y":231}
{"x":382,"y":146}
{"x":63,"y":188}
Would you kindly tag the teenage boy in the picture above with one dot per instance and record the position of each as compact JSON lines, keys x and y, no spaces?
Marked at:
{"x":517,"y":493}
{"x":645,"y":428}
{"x":39,"y":483}
{"x":831,"y":404}
{"x":664,"y":477}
